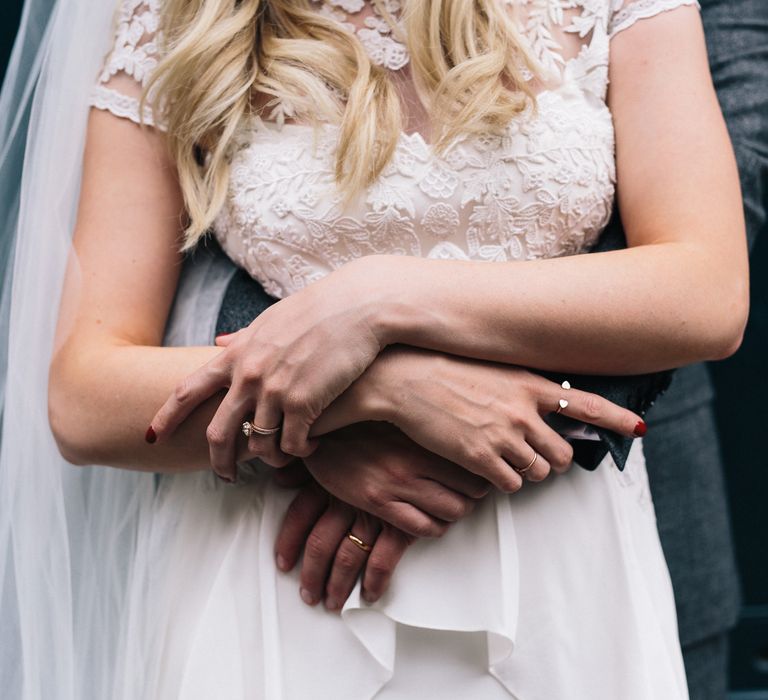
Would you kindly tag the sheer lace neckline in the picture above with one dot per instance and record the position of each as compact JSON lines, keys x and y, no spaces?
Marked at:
{"x":378,"y":26}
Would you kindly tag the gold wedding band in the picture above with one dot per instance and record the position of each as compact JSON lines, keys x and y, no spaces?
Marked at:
{"x":358,"y":542}
{"x":251,"y":429}
{"x":529,"y":465}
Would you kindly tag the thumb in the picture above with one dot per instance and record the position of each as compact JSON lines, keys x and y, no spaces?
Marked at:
{"x":224,"y":339}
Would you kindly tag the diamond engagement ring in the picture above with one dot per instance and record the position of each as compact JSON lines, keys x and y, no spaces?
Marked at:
{"x":251,"y":429}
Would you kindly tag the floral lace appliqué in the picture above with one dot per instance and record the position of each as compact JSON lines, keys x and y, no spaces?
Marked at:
{"x":379,"y":33}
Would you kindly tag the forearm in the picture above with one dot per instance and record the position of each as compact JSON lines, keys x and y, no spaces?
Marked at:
{"x":102,"y":397}
{"x":631,"y":311}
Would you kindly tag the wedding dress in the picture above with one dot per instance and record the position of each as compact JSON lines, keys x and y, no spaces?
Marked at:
{"x":558,"y":592}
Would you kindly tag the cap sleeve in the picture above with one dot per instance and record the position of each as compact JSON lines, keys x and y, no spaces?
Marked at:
{"x":129,"y":65}
{"x":625,"y":13}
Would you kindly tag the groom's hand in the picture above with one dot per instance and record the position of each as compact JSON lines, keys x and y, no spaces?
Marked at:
{"x":320,"y":525}
{"x":375,"y":467}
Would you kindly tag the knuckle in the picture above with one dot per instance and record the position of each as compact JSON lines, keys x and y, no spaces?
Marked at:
{"x":297,"y":510}
{"x":215,"y":436}
{"x":296,"y":402}
{"x":252,"y":372}
{"x":479,"y":456}
{"x":346,"y":562}
{"x":513,"y":482}
{"x":271,"y":390}
{"x":316,"y":546}
{"x":183,"y":391}
{"x":295,"y":447}
{"x":457,"y":510}
{"x":335,"y":590}
{"x":379,"y":567}
{"x":374,"y":497}
{"x":593,"y":407}
{"x":258,"y":448}
{"x":428,"y":530}
{"x":564,"y":456}
{"x":519,"y":417}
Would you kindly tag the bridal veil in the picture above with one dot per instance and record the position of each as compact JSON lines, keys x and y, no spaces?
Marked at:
{"x":67,"y":534}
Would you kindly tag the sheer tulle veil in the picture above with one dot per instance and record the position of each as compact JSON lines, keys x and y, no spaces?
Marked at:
{"x":68,"y":534}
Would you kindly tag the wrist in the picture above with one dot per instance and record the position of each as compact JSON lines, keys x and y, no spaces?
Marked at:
{"x":371,"y":393}
{"x":391,"y":281}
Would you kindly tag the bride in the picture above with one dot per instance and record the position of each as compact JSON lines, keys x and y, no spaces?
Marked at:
{"x":414,"y":180}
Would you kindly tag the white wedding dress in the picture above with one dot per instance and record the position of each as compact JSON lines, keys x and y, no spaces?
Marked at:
{"x":558,"y":592}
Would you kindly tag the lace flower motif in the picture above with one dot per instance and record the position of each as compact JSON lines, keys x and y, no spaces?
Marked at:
{"x":377,"y":35}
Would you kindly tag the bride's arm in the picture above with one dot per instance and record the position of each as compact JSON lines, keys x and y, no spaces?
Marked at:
{"x":107,"y":375}
{"x":679,"y":294}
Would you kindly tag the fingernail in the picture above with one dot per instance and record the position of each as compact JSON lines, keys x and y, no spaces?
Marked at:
{"x":369,"y":597}
{"x":225,"y":479}
{"x":332,"y":604}
{"x":307,"y":597}
{"x":221,"y":335}
{"x":282,"y":563}
{"x":150,"y":435}
{"x":641,"y":428}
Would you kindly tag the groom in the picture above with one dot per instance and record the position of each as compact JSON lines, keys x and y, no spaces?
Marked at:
{"x":681,"y":446}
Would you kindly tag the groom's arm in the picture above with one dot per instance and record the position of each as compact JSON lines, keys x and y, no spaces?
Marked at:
{"x":245,"y":299}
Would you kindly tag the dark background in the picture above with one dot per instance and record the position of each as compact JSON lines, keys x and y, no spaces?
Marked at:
{"x":742,"y":387}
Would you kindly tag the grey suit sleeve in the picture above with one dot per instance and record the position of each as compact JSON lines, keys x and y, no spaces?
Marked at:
{"x":737,"y":42}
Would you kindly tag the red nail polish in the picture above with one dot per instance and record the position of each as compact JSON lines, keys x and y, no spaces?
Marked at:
{"x":224,"y":479}
{"x":150,"y":437}
{"x":641,"y":428}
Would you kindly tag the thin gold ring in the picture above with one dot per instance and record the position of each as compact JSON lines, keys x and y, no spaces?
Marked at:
{"x":251,"y":429}
{"x":529,"y":465}
{"x":358,"y":542}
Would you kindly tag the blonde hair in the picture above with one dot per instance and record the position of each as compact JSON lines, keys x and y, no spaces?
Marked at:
{"x":467,"y":63}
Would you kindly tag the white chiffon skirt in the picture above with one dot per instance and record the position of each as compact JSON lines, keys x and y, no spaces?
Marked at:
{"x":558,"y":592}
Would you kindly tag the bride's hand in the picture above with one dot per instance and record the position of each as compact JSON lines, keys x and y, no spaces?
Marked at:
{"x":375,"y":467}
{"x":332,"y":563}
{"x":284,"y":369}
{"x":487,"y":417}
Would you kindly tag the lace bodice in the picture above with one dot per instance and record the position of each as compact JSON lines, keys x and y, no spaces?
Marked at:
{"x":543,"y":188}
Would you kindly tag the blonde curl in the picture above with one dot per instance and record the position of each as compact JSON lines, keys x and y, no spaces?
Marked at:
{"x":226,"y":60}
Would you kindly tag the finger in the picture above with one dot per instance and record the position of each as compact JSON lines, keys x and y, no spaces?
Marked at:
{"x":455,"y":477}
{"x":350,"y":560}
{"x":593,"y":409}
{"x":437,"y":500}
{"x":302,"y":514}
{"x":294,"y":438}
{"x":187,"y":396}
{"x":387,"y":551}
{"x":222,"y":434}
{"x":225,"y":339}
{"x":550,"y":445}
{"x":266,"y":447}
{"x":320,"y":549}
{"x":412,"y":520}
{"x":486,"y":463}
{"x":527,"y":461}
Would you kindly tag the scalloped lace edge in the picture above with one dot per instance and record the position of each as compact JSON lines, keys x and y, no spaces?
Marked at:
{"x":643,"y":9}
{"x":121,"y":105}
